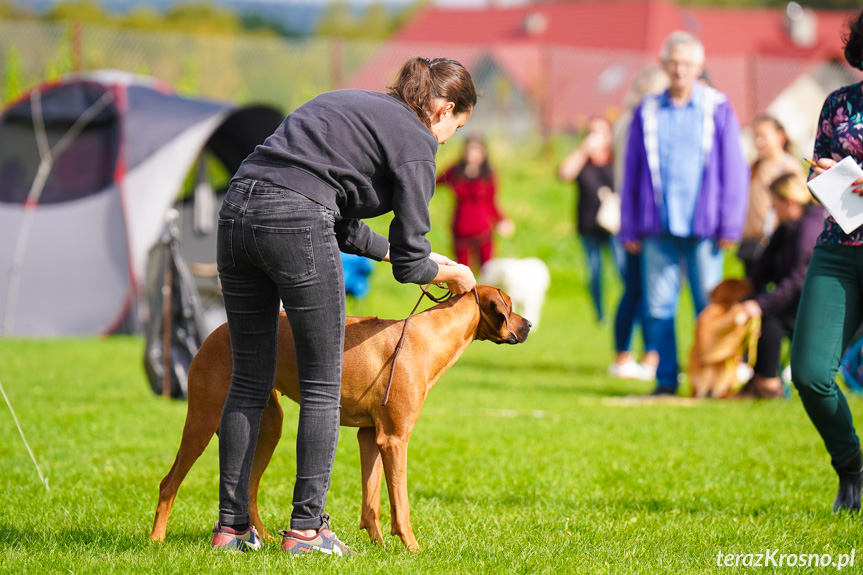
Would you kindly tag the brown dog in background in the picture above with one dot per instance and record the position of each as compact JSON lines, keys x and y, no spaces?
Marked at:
{"x":434,"y":340}
{"x":723,"y":332}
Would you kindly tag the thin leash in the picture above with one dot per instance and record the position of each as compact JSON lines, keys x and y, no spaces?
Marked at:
{"x":424,"y":293}
{"x":24,"y":439}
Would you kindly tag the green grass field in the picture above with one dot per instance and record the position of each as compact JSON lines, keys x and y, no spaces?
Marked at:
{"x":527,"y":459}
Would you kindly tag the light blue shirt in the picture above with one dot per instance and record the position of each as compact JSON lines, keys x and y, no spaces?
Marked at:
{"x":680,"y":160}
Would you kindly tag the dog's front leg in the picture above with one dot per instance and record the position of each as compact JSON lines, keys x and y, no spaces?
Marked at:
{"x":394,"y":452}
{"x":372,"y":468}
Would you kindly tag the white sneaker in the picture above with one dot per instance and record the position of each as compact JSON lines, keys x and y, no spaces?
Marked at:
{"x":628,"y":370}
{"x":649,"y":371}
{"x":745,"y":372}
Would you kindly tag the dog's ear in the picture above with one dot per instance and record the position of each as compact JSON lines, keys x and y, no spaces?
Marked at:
{"x":731,"y":291}
{"x":494,"y":307}
{"x":741,"y":289}
{"x":721,"y":294}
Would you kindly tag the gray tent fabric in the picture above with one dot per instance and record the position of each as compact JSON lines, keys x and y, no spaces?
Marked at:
{"x":96,"y":146}
{"x":80,"y":278}
{"x":148,"y":123}
{"x":89,"y":166}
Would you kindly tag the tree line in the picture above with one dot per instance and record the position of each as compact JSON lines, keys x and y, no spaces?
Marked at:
{"x":339,"y":18}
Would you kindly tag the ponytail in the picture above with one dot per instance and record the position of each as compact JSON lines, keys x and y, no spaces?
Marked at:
{"x":421,"y":81}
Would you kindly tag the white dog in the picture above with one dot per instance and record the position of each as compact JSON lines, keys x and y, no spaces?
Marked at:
{"x":524,"y":280}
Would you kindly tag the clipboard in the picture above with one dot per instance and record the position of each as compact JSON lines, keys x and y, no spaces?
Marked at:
{"x":834,"y":188}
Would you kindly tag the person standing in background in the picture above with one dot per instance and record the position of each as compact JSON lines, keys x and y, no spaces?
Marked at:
{"x":631,"y":310}
{"x":774,"y":160}
{"x":831,"y":305}
{"x":590,"y":165}
{"x":685,"y":193}
{"x":476,"y":216}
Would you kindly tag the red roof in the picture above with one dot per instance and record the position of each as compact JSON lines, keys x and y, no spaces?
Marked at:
{"x":576,"y":59}
{"x":618,"y":25}
{"x":639,"y":25}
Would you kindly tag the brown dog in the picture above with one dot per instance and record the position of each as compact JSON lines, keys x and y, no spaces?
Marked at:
{"x":723,"y":331}
{"x":434,"y":340}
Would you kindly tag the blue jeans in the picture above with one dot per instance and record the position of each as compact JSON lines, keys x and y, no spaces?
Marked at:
{"x":632,"y":308}
{"x":665,"y":258}
{"x":593,"y":248}
{"x":274,"y":244}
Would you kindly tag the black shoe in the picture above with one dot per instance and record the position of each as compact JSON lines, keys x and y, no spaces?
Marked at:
{"x":748,"y":391}
{"x":850,"y":483}
{"x":664,"y":391}
{"x":757,"y":390}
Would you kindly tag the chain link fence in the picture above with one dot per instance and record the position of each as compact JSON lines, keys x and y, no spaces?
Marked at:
{"x":241,"y":69}
{"x":528,"y":89}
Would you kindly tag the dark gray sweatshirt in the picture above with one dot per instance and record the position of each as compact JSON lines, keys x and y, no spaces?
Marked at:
{"x":361,"y":154}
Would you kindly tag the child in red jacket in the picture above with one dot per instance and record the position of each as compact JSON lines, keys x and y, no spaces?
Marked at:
{"x":476,"y":215}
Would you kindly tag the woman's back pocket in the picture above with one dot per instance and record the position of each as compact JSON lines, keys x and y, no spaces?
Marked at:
{"x":286,"y":252}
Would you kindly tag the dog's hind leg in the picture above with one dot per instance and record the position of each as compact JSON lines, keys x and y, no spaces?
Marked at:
{"x":372,"y":469}
{"x":394,"y":453}
{"x":201,"y":424}
{"x":268,"y":437}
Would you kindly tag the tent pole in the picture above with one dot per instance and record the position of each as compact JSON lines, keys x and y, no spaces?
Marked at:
{"x":42,"y":478}
{"x":166,"y":326}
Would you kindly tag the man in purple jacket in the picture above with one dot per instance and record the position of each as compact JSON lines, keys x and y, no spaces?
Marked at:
{"x":684,"y":194}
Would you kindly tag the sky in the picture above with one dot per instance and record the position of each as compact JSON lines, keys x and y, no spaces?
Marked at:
{"x":448,"y":3}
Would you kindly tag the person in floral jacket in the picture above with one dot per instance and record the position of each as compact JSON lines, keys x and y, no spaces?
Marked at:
{"x":831,"y":304}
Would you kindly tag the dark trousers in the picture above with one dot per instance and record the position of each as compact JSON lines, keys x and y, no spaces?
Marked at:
{"x":830,"y":311}
{"x":479,"y":248}
{"x":275,"y":244}
{"x":632,"y":308}
{"x":593,"y":250}
{"x":773,"y":328}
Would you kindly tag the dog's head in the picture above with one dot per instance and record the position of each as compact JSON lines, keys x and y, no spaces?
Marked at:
{"x":497,"y":321}
{"x":729,"y":292}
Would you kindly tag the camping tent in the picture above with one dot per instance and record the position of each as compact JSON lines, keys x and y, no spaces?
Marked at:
{"x":89,"y":167}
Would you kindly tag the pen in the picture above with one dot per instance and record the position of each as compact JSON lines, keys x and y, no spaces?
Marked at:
{"x":811,"y":163}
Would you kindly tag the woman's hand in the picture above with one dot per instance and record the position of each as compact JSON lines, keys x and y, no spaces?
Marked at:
{"x":824,"y":164}
{"x":752,"y":308}
{"x":458,"y":278}
{"x":441,"y":260}
{"x":592,"y":143}
{"x":632,"y":247}
{"x":505,"y":227}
